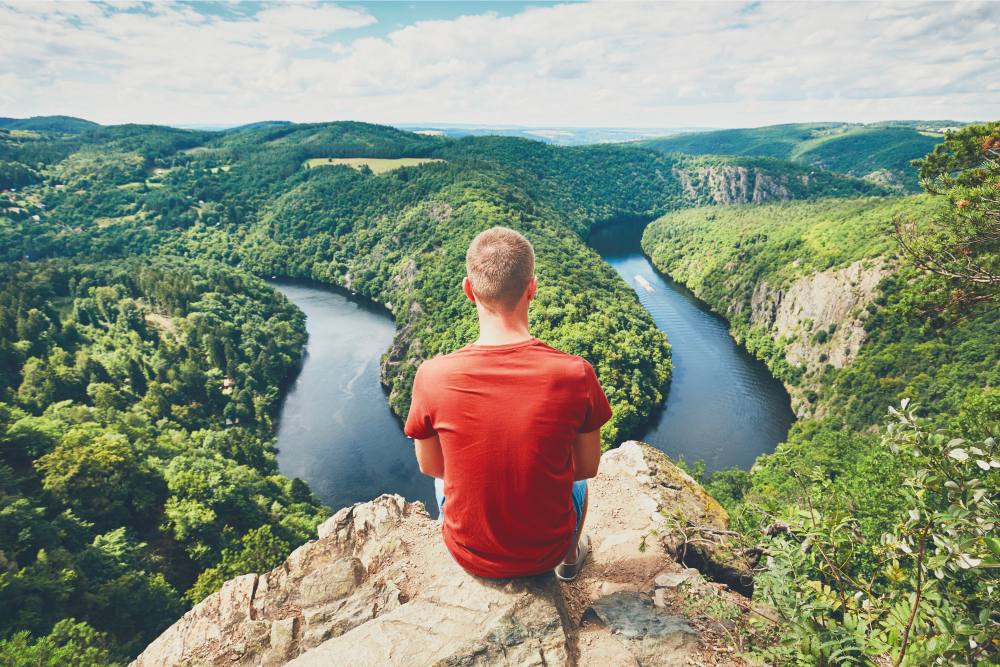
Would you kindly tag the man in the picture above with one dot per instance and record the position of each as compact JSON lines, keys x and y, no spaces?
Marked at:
{"x":509,"y":427}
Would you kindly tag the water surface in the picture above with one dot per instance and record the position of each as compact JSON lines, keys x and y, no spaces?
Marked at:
{"x":724,"y":406}
{"x":335,"y":430}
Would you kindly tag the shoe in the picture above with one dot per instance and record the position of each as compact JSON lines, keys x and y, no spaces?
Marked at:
{"x":568,"y":571}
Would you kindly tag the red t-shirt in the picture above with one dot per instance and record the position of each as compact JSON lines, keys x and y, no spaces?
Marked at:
{"x":507,"y":417}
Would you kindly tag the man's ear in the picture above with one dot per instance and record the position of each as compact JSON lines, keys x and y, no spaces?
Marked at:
{"x":467,"y":288}
{"x":532,"y":287}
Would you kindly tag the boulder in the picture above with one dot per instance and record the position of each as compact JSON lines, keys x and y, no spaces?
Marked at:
{"x":379,"y":588}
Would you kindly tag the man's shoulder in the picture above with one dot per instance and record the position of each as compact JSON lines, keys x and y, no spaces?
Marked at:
{"x":556,"y":356}
{"x":435,"y":364}
{"x":460,"y":358}
{"x":442,"y":363}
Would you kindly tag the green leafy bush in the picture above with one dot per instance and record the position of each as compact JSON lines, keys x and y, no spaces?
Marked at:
{"x":931,"y":597}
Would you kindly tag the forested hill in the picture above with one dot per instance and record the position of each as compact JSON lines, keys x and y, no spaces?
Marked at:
{"x":137,"y":469}
{"x":60,"y":124}
{"x":879,"y":152}
{"x":101,"y":364}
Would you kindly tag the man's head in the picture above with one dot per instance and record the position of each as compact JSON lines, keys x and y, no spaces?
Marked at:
{"x":501,"y":269}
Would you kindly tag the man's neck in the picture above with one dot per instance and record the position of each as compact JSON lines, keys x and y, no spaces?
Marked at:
{"x":502,"y":329}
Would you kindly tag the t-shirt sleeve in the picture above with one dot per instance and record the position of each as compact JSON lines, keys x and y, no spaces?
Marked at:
{"x":419,"y":424}
{"x":598,"y":408}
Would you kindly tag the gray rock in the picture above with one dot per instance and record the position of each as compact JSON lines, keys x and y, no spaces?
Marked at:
{"x":675,"y":579}
{"x":632,"y":615}
{"x":379,"y":588}
{"x":651,"y":636}
{"x":689,"y":505}
{"x":460,"y":620}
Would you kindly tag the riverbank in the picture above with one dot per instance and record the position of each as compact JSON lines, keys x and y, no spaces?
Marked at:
{"x":724,"y":407}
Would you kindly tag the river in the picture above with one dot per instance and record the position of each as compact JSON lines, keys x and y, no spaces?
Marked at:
{"x":724,"y":406}
{"x":336,"y":432}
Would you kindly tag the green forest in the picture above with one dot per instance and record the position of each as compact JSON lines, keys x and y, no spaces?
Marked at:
{"x":142,"y":357}
{"x":137,"y":468}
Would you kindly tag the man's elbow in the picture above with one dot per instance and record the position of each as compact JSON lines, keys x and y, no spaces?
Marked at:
{"x":587,"y":470}
{"x":429,"y":469}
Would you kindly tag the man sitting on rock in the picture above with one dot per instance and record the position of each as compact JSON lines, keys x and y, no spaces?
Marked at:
{"x":509,"y":428}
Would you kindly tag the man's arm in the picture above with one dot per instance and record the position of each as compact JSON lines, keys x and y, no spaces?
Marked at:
{"x":429,"y":456}
{"x":586,"y":454}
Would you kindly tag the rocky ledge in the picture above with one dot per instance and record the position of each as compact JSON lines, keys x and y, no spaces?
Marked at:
{"x":379,"y":588}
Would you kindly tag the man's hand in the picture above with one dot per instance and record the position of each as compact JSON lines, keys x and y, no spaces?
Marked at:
{"x":586,"y":454}
{"x":429,"y":456}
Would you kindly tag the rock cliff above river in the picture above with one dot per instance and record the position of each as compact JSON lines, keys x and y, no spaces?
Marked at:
{"x":821,"y":318}
{"x":379,"y":588}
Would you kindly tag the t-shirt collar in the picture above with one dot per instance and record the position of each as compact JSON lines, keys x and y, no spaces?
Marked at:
{"x":504,"y":347}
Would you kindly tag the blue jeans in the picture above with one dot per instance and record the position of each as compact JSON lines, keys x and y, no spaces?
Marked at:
{"x":579,"y":497}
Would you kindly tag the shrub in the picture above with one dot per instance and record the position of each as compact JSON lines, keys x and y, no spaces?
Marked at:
{"x":932,"y":600}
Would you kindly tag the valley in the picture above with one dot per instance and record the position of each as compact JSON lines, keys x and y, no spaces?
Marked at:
{"x":135,"y":329}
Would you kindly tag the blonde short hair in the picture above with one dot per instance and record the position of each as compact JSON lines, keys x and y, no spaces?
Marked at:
{"x":500,"y":263}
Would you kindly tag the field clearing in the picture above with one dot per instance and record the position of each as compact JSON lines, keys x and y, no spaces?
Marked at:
{"x":124,"y":219}
{"x":378,"y":165}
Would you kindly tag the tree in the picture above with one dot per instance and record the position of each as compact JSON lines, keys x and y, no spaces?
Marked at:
{"x":70,"y":644}
{"x":100,"y":475}
{"x":961,"y":242}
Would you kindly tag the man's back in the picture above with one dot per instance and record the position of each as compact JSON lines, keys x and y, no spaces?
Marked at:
{"x":507,"y":417}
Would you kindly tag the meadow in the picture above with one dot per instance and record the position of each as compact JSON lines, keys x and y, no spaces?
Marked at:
{"x":378,"y":165}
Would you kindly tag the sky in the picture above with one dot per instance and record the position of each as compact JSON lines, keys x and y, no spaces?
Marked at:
{"x":576,"y":64}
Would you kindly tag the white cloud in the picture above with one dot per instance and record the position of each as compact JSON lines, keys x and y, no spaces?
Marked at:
{"x":662,"y":64}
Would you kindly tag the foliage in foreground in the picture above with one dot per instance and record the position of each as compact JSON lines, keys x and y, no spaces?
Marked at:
{"x":930,"y":599}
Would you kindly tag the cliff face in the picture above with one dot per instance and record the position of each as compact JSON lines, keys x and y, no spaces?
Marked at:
{"x":379,"y":588}
{"x":821,"y":318}
{"x":733,"y":184}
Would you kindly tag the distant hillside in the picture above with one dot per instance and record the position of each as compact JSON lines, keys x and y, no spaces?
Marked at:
{"x":339,"y":139}
{"x":880,"y":152}
{"x":65,"y":124}
{"x":559,"y":136}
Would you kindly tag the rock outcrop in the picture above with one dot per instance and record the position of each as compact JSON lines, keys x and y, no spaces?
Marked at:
{"x":379,"y":588}
{"x":732,"y":184}
{"x":820,"y":316}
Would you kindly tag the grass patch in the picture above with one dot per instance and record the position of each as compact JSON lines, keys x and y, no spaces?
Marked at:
{"x":378,"y":165}
{"x":124,"y":219}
